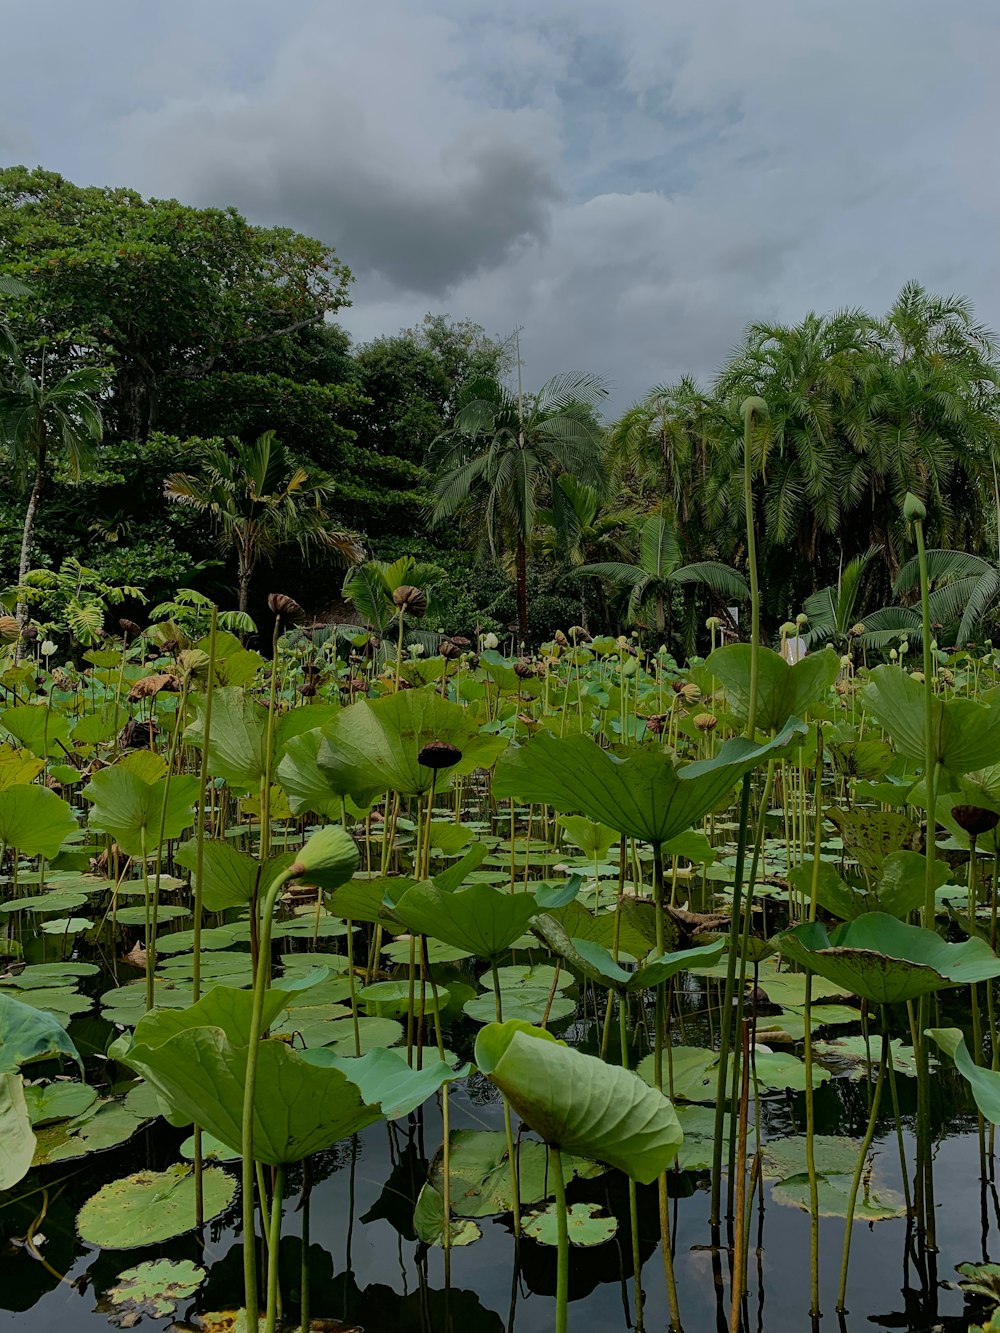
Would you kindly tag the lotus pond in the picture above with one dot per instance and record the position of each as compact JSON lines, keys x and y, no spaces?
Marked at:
{"x":487,"y":993}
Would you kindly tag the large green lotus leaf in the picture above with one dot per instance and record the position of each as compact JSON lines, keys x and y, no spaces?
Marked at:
{"x":884,"y":961}
{"x":478,"y":918}
{"x":320,"y":790}
{"x":965,"y":735}
{"x":127,"y":805}
{"x":643,"y":795}
{"x":237,"y":745}
{"x":901,"y":890}
{"x":380,"y":740}
{"x":579,"y":1104}
{"x":34,"y":820}
{"x":58,"y":1101}
{"x":96,"y":728}
{"x":386,"y":1080}
{"x":195,"y":1059}
{"x":656,"y":971}
{"x":151,"y":1207}
{"x":833,"y":1155}
{"x":428,"y":1221}
{"x":530,"y":1003}
{"x":229,"y":877}
{"x":593,"y":839}
{"x":17,"y":1142}
{"x":28,"y":1034}
{"x":328,"y":858}
{"x":39,"y":727}
{"x":985,"y":1083}
{"x":784,"y":690}
{"x":560,"y":926}
{"x":18,"y":767}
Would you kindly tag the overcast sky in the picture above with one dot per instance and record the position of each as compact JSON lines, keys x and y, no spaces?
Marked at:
{"x":629,"y":181}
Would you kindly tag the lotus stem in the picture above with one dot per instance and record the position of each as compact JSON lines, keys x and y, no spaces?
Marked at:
{"x":859,"y":1168}
{"x":274,"y":1239}
{"x":814,"y":1309}
{"x":562,"y":1236}
{"x":633,"y":1195}
{"x":739,"y":1275}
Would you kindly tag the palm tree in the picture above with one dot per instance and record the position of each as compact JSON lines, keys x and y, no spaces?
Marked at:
{"x":497,"y":465}
{"x":8,"y":346}
{"x":370,"y":586}
{"x":833,"y":611}
{"x":39,"y":419}
{"x":260,"y":500}
{"x":650,"y":582}
{"x":965,"y":588}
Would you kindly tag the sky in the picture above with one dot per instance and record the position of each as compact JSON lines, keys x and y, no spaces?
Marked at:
{"x":628,"y":182}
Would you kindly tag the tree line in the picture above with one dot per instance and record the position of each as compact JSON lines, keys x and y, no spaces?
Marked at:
{"x":179,"y":409}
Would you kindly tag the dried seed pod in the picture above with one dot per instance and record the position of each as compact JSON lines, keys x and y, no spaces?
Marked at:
{"x":285,"y":608}
{"x":459,"y":641}
{"x":706,"y":721}
{"x":524,"y":670}
{"x":439,"y":754}
{"x":150,"y":685}
{"x":136,"y":735}
{"x":450,"y":650}
{"x":580,"y":634}
{"x":654,"y":724}
{"x":9,"y":628}
{"x":560,"y":638}
{"x":129,"y":628}
{"x":411,"y":601}
{"x":30,"y":633}
{"x":307,"y":690}
{"x":974,"y":819}
{"x":690,"y":692}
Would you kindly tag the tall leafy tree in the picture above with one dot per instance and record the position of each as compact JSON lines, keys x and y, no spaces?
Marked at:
{"x":496,"y":467}
{"x":43,"y":423}
{"x":260,"y":501}
{"x":659,"y":569}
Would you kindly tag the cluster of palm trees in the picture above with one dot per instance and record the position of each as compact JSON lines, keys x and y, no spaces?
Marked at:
{"x":860,"y":411}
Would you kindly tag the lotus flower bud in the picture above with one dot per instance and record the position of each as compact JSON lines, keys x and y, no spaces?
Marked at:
{"x":706,"y":721}
{"x":439,"y":754}
{"x":285,"y":608}
{"x":411,"y":601}
{"x":913,"y":509}
{"x":893,"y":654}
{"x":974,"y":819}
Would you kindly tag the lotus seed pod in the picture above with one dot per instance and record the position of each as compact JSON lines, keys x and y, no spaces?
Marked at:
{"x":787,"y":629}
{"x":801,"y":620}
{"x":713,"y":622}
{"x":411,"y":601}
{"x":753,"y":407}
{"x":449,"y":650}
{"x":29,"y":633}
{"x":523,"y":669}
{"x":654,"y":725}
{"x":974,"y":819}
{"x":439,"y":754}
{"x":9,"y":628}
{"x":690,"y":692}
{"x":856,"y":631}
{"x":285,"y":608}
{"x":706,"y":721}
{"x":129,"y":628}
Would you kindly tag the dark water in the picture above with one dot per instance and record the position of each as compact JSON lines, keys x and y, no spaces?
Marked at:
{"x":366,"y":1267}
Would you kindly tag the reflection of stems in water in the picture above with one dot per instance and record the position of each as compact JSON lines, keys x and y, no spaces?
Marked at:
{"x":738,"y":1280}
{"x":661,"y":1184}
{"x":810,"y":1107}
{"x":304,"y":1279}
{"x":859,"y":1168}
{"x":446,"y":1128}
{"x":515,"y":1188}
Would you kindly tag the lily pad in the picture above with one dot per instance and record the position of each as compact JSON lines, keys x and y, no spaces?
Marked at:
{"x":150,"y":1207}
{"x":58,"y":1101}
{"x":586,"y":1225}
{"x":833,"y":1154}
{"x":872,"y":1205}
{"x":152,"y":1289}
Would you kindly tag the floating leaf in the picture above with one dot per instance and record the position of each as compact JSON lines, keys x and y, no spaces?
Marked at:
{"x":58,"y":1101}
{"x":152,"y":1289}
{"x":150,"y":1207}
{"x":872,"y":1205}
{"x":833,"y":1155}
{"x":586,"y":1225}
{"x":28,"y":1034}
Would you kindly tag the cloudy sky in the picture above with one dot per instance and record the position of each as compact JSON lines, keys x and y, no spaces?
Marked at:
{"x":630,"y":181}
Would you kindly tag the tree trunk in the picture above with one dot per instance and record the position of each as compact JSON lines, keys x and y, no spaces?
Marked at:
{"x":522,"y":590}
{"x":244,"y":583}
{"x":27,"y":540}
{"x":661,"y":616}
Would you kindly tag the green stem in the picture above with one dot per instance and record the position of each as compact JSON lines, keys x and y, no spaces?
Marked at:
{"x":272,"y":1251}
{"x":562,"y":1236}
{"x":859,"y":1168}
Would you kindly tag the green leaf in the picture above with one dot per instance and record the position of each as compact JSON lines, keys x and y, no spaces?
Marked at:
{"x":643,"y":795}
{"x":34,"y":820}
{"x":28,"y":1034}
{"x":237,"y":745}
{"x":593,"y":839}
{"x":884,"y":961}
{"x":58,"y":1101}
{"x":428,"y":1221}
{"x":965,"y":735}
{"x":17,"y":1142}
{"x":387,"y":1081}
{"x":195,"y":1059}
{"x":151,"y":1207}
{"x":834,"y":1191}
{"x":586,"y":1225}
{"x":479,"y":919}
{"x":128,"y":803}
{"x":985,"y":1083}
{"x":152,"y":1289}
{"x":784,"y":691}
{"x":229,"y":877}
{"x":580,"y":1104}
{"x":39,"y":727}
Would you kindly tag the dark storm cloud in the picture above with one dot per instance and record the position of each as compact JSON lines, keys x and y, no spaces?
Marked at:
{"x":631,"y":182}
